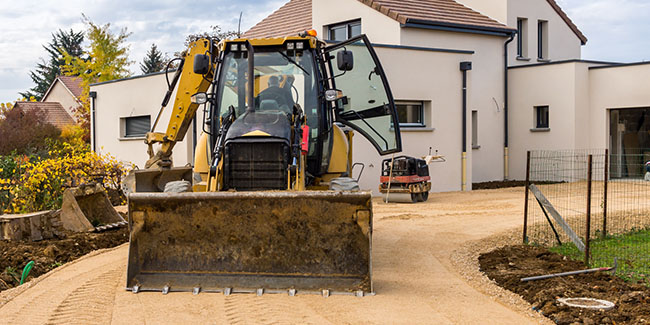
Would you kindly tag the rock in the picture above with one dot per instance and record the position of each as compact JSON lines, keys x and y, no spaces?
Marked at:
{"x":50,"y":251}
{"x":588,"y":321}
{"x":631,"y":297}
{"x":605,"y":320}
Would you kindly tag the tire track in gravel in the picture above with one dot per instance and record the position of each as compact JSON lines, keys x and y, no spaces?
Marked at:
{"x":56,"y":296}
{"x":269,"y":309}
{"x":92,"y":303}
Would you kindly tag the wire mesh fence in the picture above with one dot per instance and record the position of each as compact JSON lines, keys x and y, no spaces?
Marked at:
{"x":591,"y":206}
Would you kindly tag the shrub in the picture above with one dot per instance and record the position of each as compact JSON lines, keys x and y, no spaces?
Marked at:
{"x":25,"y":131}
{"x":38,"y":184}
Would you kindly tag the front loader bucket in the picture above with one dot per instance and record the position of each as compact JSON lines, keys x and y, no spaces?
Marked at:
{"x":250,"y":242}
{"x":87,"y":208}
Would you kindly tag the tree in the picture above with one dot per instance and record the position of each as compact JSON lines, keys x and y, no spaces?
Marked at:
{"x":216,"y":33}
{"x":108,"y":60}
{"x":47,"y":71}
{"x":154,"y":61}
{"x":25,"y":131}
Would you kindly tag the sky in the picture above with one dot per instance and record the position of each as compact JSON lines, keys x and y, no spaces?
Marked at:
{"x":617,"y":29}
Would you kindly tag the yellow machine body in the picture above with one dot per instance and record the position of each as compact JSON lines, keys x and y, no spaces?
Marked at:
{"x":213,"y":238}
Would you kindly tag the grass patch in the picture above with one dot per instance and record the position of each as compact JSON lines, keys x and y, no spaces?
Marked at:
{"x":631,"y":249}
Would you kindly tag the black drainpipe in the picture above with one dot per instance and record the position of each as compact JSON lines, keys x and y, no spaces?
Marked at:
{"x":505,"y":106}
{"x":464,"y":67}
{"x":93,"y":95}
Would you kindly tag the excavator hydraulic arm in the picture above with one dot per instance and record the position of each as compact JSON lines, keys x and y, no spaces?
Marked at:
{"x":183,"y":110}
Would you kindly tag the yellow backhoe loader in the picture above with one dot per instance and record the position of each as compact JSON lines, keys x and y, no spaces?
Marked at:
{"x":269,"y":206}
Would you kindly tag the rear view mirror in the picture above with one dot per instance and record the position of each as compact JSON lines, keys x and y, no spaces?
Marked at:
{"x":201,"y":64}
{"x":345,"y":60}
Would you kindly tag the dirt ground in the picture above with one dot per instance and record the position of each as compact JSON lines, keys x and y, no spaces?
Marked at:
{"x":509,"y":264}
{"x":49,"y":254}
{"x":419,"y":277}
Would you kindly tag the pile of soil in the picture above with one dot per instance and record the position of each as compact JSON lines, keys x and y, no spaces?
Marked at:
{"x":509,"y":264}
{"x":51,"y":253}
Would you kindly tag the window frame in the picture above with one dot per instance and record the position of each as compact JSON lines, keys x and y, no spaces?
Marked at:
{"x":475,"y":128}
{"x":348,"y":29}
{"x":422,"y":114}
{"x":538,"y":121}
{"x":522,"y":40}
{"x":123,"y":127}
{"x":542,"y":39}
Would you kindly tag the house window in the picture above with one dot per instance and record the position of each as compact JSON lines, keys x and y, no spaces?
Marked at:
{"x":410,"y":114}
{"x":475,"y":144}
{"x":522,"y":40}
{"x":135,"y":126}
{"x":542,"y":39}
{"x":344,"y":31}
{"x":541,"y":117}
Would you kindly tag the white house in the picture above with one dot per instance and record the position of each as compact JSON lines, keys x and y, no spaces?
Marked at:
{"x":421,"y":45}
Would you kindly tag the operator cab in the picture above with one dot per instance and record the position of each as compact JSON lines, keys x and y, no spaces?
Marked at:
{"x":300,"y":78}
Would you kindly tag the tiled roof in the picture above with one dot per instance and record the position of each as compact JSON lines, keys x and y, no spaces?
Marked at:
{"x":568,"y":21}
{"x":295,"y":16}
{"x":437,"y":11}
{"x":73,"y":84}
{"x":292,"y":18}
{"x":56,"y":115}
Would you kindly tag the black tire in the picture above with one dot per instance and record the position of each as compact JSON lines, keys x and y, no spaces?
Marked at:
{"x":415,"y":197}
{"x":424,"y":196}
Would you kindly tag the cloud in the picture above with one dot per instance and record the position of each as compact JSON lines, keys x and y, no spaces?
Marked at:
{"x":617,"y":29}
{"x":165,"y":23}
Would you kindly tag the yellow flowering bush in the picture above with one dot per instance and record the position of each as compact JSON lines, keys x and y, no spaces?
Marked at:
{"x":38,"y":184}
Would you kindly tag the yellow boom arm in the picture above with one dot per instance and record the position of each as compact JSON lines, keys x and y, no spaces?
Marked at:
{"x":183,"y":110}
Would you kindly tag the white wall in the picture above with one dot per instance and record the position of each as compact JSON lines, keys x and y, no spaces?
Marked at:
{"x":378,"y":27}
{"x":579,"y":100}
{"x":611,"y":88}
{"x":563,"y":43}
{"x":59,"y":93}
{"x":134,"y":97}
{"x":435,"y":78}
{"x":552,"y":85}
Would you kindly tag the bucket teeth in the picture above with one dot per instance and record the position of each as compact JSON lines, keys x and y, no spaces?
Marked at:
{"x":196,"y":291}
{"x":292,"y":292}
{"x":136,"y":289}
{"x":227,"y":291}
{"x":326,"y":293}
{"x":165,"y":290}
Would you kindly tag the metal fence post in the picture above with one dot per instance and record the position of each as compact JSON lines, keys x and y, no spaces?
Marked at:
{"x":605,"y":181}
{"x":526,"y":185}
{"x":588,"y":225}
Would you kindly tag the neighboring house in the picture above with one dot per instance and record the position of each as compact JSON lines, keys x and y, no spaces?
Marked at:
{"x":124,"y":110}
{"x":54,"y":112}
{"x":67,"y":91}
{"x":422,"y":45}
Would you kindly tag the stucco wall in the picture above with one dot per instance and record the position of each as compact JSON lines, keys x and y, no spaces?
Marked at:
{"x":495,"y":9}
{"x":579,"y":96}
{"x":615,"y":87}
{"x":435,"y":78}
{"x":563,"y":43}
{"x":59,"y":93}
{"x":552,"y":85}
{"x":133,"y":97}
{"x":379,"y":27}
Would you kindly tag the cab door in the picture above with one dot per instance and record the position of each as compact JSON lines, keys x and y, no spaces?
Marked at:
{"x":367,"y":104}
